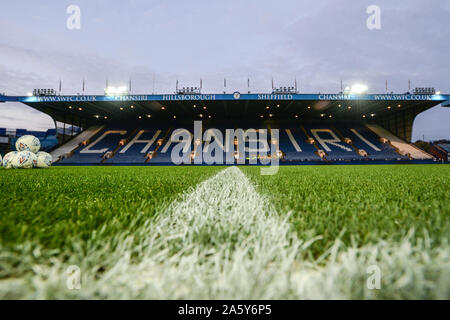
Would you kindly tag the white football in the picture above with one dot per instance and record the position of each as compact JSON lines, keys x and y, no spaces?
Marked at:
{"x":8,"y":159}
{"x":44,"y":160}
{"x":28,"y":143}
{"x":24,"y":160}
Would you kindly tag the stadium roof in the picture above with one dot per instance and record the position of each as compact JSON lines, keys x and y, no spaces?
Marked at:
{"x":310,"y":107}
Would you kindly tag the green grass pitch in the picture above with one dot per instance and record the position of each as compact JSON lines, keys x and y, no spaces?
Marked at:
{"x":362,"y":204}
{"x":62,"y":206}
{"x":61,"y":216}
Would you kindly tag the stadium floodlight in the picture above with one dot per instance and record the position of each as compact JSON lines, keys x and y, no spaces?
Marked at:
{"x":358,"y":88}
{"x":113,"y":91}
{"x":29,"y":94}
{"x":438,"y":92}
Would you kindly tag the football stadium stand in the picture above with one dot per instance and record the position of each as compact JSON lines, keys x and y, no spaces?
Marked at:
{"x":74,"y":143}
{"x":404,"y":148}
{"x":297,"y":143}
{"x":143,"y":129}
{"x":444,"y":145}
{"x":136,"y":149}
{"x":364,"y":139}
{"x":295,"y":146}
{"x":441,"y":149}
{"x":104,"y":141}
{"x":329,"y":142}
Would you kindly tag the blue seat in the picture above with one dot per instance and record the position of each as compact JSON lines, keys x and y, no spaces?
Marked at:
{"x":293,"y":142}
{"x":135,"y":152}
{"x":329,"y":141}
{"x":376,"y":150}
{"x":109,"y":142}
{"x":164,"y":152}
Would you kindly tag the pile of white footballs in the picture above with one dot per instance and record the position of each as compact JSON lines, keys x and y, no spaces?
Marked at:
{"x":27,"y":155}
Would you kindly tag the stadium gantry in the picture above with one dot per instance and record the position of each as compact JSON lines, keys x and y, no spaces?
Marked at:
{"x":312,"y":128}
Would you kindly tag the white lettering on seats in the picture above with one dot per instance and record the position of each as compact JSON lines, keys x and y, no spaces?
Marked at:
{"x":88,"y":148}
{"x":175,"y":137}
{"x":324,"y":142}
{"x":365,"y":140}
{"x":294,"y":143}
{"x":136,"y":140}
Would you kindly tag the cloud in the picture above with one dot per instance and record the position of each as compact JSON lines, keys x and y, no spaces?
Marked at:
{"x":18,"y":116}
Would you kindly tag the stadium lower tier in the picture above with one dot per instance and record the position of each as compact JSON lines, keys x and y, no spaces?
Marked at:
{"x":258,"y":144}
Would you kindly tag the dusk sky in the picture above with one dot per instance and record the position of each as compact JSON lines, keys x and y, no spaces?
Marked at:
{"x":153,"y":43}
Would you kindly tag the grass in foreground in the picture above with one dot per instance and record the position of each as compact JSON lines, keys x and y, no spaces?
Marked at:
{"x":67,"y":210}
{"x":395,"y":217}
{"x":361,"y":204}
{"x":343,"y":219}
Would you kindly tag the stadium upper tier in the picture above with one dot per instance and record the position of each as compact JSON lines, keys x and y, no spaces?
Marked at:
{"x":243,"y":142}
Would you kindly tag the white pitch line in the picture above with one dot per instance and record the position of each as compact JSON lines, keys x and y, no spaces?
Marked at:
{"x":223,"y":240}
